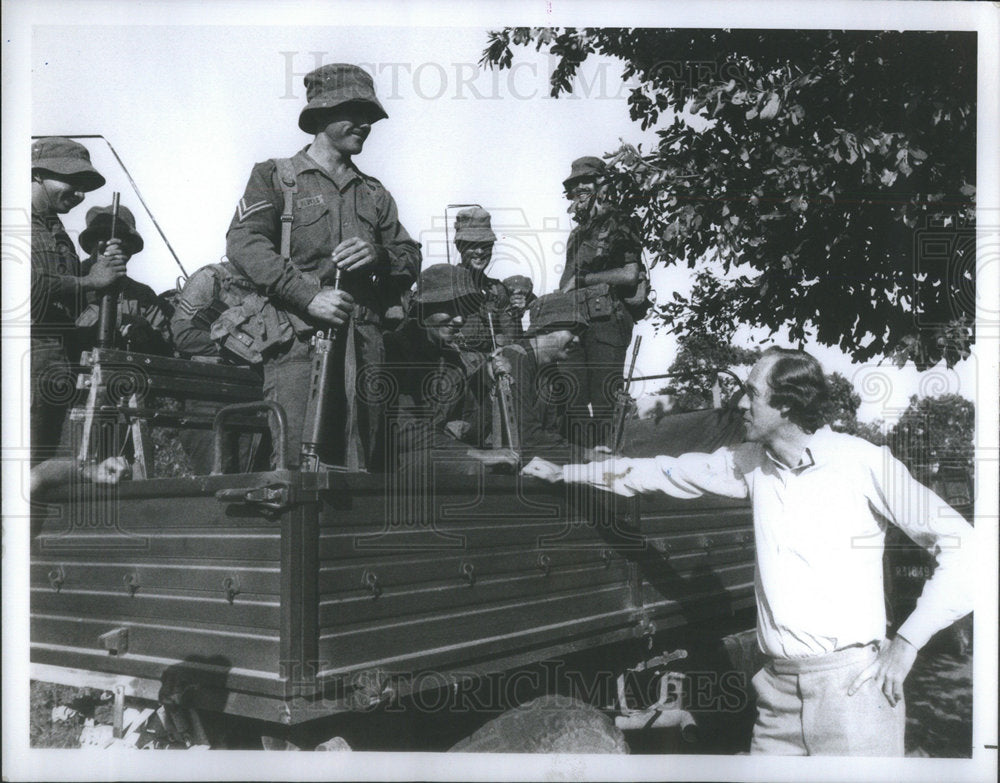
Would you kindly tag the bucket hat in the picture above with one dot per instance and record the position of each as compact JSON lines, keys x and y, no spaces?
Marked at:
{"x":99,"y":230}
{"x":334,"y":85}
{"x":442,"y":283}
{"x":69,"y":159}
{"x":551,"y":312}
{"x":473,"y":225}
{"x":587,"y":167}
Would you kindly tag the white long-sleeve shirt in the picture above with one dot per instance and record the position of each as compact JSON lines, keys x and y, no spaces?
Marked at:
{"x":819,"y":532}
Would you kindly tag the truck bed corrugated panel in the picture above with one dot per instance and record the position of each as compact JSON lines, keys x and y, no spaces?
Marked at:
{"x":473,"y":566}
{"x":159,"y":567}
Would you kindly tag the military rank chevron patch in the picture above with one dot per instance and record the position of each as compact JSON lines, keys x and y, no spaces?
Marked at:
{"x":244,"y":210}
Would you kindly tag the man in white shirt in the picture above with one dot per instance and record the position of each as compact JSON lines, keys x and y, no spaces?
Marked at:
{"x":822,"y":500}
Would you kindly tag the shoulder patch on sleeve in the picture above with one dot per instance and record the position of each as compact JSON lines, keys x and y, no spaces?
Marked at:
{"x":244,"y":210}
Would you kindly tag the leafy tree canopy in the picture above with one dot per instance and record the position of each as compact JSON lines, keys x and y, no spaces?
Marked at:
{"x":935,"y":431}
{"x":830,"y":176}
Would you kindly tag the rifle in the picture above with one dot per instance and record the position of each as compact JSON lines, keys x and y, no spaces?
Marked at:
{"x":109,"y":300}
{"x":314,"y":423}
{"x":509,"y":422}
{"x":621,"y":409}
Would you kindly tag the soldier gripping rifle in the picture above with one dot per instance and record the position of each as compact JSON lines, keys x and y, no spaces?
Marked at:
{"x":301,"y":219}
{"x":109,"y":299}
{"x":327,"y":347}
{"x":507,"y":415}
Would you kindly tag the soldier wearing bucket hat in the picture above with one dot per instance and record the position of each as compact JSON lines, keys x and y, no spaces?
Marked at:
{"x":474,"y":240}
{"x":65,"y":160}
{"x":98,"y":229}
{"x":603,"y":269}
{"x":61,"y":173}
{"x":341,"y":222}
{"x":441,"y":388}
{"x":143,"y":325}
{"x":537,"y":382}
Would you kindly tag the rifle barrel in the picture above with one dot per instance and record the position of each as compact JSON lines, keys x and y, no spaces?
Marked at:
{"x":108,"y":317}
{"x":621,"y":411}
{"x":503,"y":394}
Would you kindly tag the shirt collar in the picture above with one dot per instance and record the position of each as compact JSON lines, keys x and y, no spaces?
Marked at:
{"x":813,"y":455}
{"x":50,"y":220}
{"x":302,"y":162}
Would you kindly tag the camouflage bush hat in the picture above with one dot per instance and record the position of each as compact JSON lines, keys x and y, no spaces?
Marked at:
{"x":519,"y":284}
{"x":587,"y":167}
{"x":99,"y":230}
{"x":335,"y":85}
{"x":68,"y":159}
{"x":473,"y":225}
{"x":552,"y":312}
{"x":442,"y":283}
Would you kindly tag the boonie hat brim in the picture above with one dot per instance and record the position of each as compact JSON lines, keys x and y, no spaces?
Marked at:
{"x":311,"y":116}
{"x":71,"y":170}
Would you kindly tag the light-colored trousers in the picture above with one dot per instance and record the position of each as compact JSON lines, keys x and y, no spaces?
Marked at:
{"x":803,"y":708}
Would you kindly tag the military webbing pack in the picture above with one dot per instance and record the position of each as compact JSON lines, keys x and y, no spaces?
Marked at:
{"x":254,"y":325}
{"x":251,"y":328}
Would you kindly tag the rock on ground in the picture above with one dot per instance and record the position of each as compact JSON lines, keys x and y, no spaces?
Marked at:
{"x":550,"y":724}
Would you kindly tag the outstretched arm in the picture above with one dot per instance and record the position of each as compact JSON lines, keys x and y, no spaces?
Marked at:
{"x":53,"y":472}
{"x":687,"y":476}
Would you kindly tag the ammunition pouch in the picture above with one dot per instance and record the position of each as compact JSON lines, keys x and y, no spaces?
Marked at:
{"x":596,"y":301}
{"x":252,"y":329}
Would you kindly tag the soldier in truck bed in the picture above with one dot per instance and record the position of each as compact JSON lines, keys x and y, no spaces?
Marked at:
{"x":61,"y":173}
{"x":603,"y":268}
{"x":474,"y":240}
{"x":341,"y":221}
{"x":207,"y":295}
{"x":143,"y":324}
{"x":537,"y":383}
{"x":441,"y":388}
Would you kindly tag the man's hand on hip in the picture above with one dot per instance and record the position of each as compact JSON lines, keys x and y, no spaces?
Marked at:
{"x":889,"y":670}
{"x":331,"y":305}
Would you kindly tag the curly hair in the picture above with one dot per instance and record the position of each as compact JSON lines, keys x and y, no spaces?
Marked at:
{"x":797,"y":382}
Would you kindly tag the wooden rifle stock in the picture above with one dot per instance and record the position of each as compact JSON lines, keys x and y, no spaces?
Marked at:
{"x":314,"y":424}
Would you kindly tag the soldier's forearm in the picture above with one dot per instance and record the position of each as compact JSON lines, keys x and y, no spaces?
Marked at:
{"x":627,"y":275}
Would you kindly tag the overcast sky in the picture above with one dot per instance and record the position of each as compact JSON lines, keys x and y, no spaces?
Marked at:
{"x":190,"y":107}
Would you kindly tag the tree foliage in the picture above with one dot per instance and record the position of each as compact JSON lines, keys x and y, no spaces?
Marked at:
{"x":698,"y":352}
{"x":842,"y":407}
{"x":826,"y":178}
{"x":935,"y":431}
